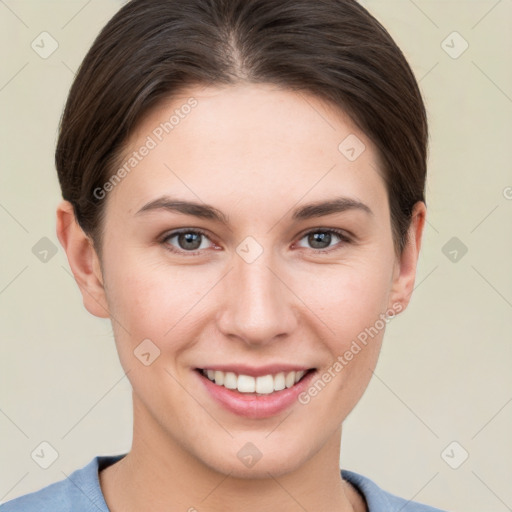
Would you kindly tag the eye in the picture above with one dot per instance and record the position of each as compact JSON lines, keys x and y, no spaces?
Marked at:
{"x":192,"y":241}
{"x":187,"y":240}
{"x":320,"y":239}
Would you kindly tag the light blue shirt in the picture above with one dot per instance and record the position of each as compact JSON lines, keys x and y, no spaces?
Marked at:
{"x":81,"y":492}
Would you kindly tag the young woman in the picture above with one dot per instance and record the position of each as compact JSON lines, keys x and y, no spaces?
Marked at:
{"x":243,"y":185}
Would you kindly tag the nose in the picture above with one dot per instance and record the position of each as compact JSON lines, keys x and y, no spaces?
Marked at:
{"x":258,"y":306}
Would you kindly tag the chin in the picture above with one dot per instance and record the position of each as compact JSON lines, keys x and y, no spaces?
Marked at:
{"x":248,"y":462}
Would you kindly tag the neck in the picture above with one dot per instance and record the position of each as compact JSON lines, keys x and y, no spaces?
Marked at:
{"x":158,"y":474}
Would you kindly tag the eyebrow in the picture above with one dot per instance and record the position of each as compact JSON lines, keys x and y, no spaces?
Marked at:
{"x":206,"y":211}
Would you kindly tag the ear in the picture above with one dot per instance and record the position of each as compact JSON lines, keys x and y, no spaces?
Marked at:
{"x":83,"y":260}
{"x":405,"y":267}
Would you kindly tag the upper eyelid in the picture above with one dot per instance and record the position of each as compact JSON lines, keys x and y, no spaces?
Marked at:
{"x":337,"y":231}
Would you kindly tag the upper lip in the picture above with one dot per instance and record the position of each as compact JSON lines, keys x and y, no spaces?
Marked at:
{"x":257,"y":371}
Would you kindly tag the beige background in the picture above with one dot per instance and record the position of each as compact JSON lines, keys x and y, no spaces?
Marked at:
{"x":445,"y":371}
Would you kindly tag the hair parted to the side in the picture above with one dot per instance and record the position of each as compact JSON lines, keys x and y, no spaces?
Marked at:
{"x":152,"y":50}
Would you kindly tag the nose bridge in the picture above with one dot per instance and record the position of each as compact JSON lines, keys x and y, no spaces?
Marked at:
{"x":258,"y":306}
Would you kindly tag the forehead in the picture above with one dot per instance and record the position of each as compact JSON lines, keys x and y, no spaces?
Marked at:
{"x":247,"y":140}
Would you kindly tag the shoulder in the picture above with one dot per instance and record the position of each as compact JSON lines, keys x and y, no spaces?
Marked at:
{"x":379,"y":500}
{"x":78,"y":492}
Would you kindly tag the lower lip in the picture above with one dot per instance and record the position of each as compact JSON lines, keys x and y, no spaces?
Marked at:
{"x":252,"y":405}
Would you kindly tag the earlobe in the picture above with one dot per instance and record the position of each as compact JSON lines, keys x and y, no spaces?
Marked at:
{"x":83,"y":260}
{"x":405,"y":269}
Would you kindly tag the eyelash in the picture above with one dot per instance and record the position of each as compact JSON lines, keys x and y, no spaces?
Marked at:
{"x":341,"y":234}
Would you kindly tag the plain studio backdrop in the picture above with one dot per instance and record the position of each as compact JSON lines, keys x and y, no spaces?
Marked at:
{"x":435,"y":422}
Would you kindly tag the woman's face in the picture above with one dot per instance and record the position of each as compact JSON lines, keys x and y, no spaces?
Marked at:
{"x":259,"y":281}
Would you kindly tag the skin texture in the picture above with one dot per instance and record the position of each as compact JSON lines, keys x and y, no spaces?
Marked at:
{"x":255,"y":153}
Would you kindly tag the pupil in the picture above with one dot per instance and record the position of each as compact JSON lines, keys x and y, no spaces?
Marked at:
{"x":316,"y":238}
{"x":189,"y":240}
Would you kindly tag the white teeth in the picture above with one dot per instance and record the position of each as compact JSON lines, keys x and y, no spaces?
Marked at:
{"x":230,"y":380}
{"x":298,"y":376}
{"x":246,"y":384}
{"x":290,"y":379}
{"x":219,"y":377}
{"x":263,"y":385}
{"x":279,"y":383}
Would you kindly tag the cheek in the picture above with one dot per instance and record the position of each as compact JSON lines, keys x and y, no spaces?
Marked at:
{"x":348,"y":297}
{"x":351,"y":304}
{"x":154,"y":300}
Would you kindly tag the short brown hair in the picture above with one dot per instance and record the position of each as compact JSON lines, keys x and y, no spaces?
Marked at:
{"x":152,"y":49}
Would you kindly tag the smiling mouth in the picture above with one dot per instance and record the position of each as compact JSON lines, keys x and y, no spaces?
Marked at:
{"x":261,"y":385}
